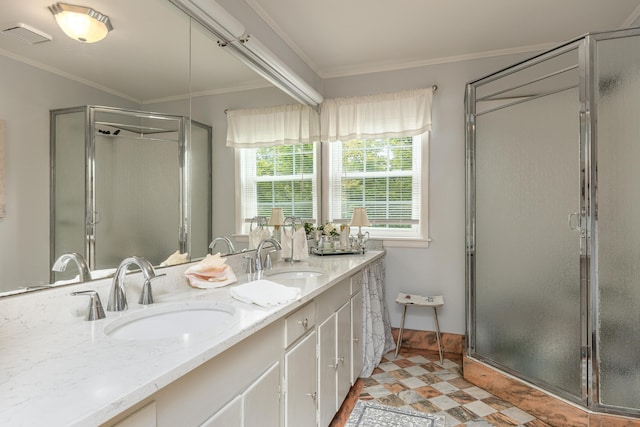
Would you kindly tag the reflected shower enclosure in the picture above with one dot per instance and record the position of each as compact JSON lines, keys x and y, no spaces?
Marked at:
{"x":126,"y":183}
{"x":553,"y":220}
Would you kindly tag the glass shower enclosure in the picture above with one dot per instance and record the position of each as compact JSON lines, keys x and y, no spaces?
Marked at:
{"x":127,"y":182}
{"x":553,"y":220}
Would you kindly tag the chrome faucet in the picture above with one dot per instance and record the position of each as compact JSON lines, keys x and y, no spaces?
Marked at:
{"x":275,"y":243}
{"x":223,"y":239}
{"x":83,"y":269}
{"x":118,"y":296}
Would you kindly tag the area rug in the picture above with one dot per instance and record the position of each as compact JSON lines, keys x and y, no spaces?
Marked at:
{"x":371,"y":414}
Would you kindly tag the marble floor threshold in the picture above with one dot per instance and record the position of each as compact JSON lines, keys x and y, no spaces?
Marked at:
{"x":416,"y":381}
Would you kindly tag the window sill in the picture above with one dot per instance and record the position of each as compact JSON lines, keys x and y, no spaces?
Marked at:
{"x":406,"y":243}
{"x":386,"y":242}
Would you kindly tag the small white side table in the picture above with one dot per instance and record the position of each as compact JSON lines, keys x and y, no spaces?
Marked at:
{"x":420,"y":301}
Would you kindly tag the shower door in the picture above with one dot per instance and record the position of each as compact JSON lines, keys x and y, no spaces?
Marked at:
{"x":137,"y":201}
{"x":617,"y":291}
{"x":527,"y":244}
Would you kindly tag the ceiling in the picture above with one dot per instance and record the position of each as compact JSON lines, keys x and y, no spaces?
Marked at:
{"x":349,"y":37}
{"x":151,"y":55}
{"x":156,"y":58}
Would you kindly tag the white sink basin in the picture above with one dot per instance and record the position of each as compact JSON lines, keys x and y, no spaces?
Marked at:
{"x":294,"y":273}
{"x":171,"y":321}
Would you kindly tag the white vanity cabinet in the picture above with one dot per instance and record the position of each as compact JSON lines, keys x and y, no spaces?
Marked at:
{"x":208,"y":395}
{"x":334,"y":350}
{"x":300,"y":389}
{"x":229,"y":416}
{"x":357,"y":326}
{"x":261,"y":401}
{"x":299,"y":382}
{"x":295,"y":372}
{"x":257,"y":406}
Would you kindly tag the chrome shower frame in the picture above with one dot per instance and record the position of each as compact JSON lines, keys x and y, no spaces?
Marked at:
{"x":587,"y":225}
{"x":183,"y":140}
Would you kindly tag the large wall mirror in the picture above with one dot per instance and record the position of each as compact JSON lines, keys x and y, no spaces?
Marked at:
{"x":156,"y":59}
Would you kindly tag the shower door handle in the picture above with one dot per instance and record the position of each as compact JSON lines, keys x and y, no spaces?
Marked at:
{"x":574,"y":225}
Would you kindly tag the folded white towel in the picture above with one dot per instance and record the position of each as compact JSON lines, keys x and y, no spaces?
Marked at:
{"x":257,"y":235}
{"x":300,"y":246}
{"x":265,"y":293}
{"x":285,"y":242}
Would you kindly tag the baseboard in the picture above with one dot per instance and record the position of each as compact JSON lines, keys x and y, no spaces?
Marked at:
{"x":426,"y":340}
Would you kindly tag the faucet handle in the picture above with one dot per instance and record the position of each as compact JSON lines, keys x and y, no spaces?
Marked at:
{"x":146,"y":296}
{"x":250,"y":265}
{"x":268,"y":265}
{"x":95,"y":311}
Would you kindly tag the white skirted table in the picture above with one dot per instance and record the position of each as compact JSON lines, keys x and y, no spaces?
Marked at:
{"x":420,"y":301}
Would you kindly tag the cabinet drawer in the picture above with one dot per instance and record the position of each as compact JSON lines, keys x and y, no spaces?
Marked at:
{"x":298,"y":323}
{"x":331,"y":300}
{"x":356,"y":282}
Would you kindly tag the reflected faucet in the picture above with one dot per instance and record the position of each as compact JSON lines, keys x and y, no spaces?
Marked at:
{"x":275,"y":243}
{"x":118,"y":296}
{"x":226,"y":240}
{"x":83,"y":269}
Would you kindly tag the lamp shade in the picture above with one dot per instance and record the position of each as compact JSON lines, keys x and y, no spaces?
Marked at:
{"x":277,"y":217}
{"x":360,"y":218}
{"x":81,"y":23}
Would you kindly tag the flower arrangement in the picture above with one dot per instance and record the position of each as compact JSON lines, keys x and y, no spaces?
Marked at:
{"x":309,"y":228}
{"x":327,"y":229}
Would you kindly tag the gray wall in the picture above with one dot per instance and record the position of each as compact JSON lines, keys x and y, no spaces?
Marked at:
{"x":440,"y":268}
{"x":26,"y":96}
{"x":210,"y":109}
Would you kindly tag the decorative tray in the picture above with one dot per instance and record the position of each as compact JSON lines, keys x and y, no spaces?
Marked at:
{"x":322,"y":251}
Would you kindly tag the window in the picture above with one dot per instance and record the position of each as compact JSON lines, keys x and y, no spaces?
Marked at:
{"x":283,"y":176}
{"x":371,"y":157}
{"x":387,"y":176}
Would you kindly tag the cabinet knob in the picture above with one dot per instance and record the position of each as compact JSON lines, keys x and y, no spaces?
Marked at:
{"x":304,"y":323}
{"x":341,"y":360}
{"x":335,"y":367}
{"x":313,"y":395}
{"x":356,"y":339}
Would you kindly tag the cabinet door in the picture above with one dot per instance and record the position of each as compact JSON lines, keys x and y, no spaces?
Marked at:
{"x":357,"y":324}
{"x":229,"y":416}
{"x":327,"y":404}
{"x":144,"y":417}
{"x":343,"y":352}
{"x":261,"y":401}
{"x":301,"y":391}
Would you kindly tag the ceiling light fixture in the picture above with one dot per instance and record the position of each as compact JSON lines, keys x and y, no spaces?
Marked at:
{"x":81,"y":23}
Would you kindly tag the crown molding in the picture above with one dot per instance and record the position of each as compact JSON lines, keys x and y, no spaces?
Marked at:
{"x":378,"y":68}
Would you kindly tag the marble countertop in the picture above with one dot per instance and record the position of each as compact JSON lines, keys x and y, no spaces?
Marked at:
{"x":57,"y":369}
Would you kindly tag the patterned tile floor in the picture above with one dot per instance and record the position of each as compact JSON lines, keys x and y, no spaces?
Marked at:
{"x":417,"y":381}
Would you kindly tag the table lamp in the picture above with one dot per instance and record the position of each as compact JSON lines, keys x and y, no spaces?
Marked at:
{"x":276,"y":220}
{"x":360,"y":219}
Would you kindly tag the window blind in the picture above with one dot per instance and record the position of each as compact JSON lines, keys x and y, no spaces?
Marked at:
{"x":382,"y":175}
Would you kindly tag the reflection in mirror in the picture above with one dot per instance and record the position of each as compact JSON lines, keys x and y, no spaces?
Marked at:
{"x":105,"y":203}
{"x":157,"y":65}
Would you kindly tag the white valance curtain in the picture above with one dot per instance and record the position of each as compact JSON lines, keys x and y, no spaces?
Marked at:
{"x":388,"y":115}
{"x":269,"y":126}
